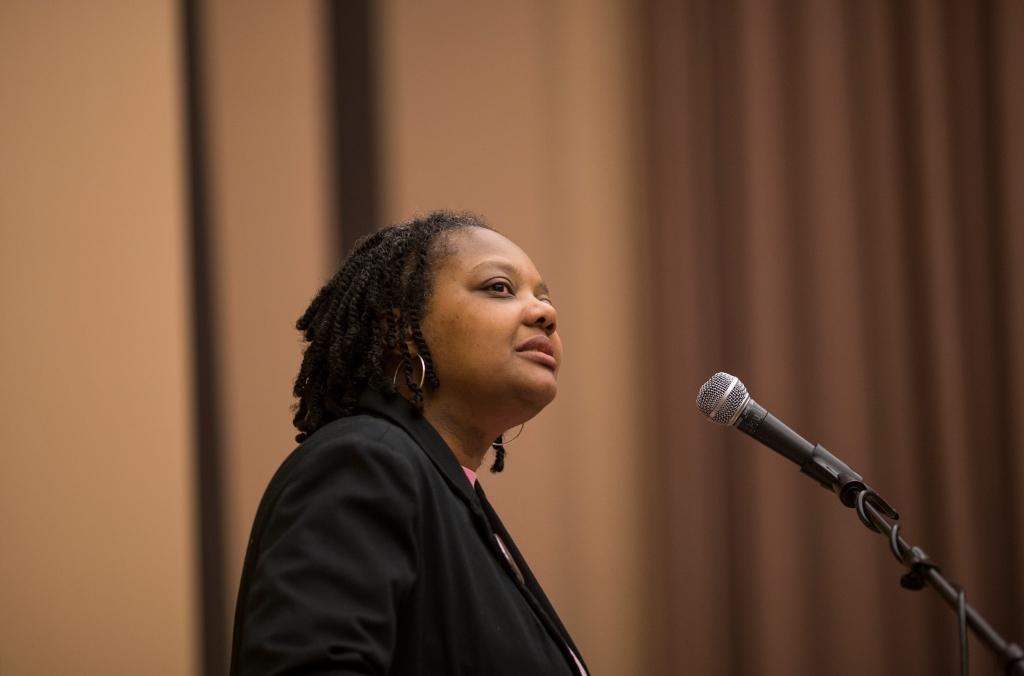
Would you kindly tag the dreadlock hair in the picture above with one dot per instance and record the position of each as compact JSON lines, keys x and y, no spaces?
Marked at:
{"x":374,"y":303}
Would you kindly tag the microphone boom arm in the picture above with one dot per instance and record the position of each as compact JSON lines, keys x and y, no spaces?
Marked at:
{"x":922,"y":571}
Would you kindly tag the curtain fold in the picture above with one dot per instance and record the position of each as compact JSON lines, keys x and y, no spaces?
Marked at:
{"x":837,"y":219}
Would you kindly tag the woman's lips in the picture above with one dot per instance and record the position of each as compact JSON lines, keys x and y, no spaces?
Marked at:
{"x":540,"y":350}
{"x":540,"y":358}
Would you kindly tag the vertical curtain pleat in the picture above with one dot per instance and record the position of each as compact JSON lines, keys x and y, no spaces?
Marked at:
{"x":1008,"y":50}
{"x":837,"y":219}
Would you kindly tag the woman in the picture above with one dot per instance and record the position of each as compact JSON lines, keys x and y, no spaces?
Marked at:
{"x":374,"y":550}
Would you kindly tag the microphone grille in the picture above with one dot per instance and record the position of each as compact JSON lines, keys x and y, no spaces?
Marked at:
{"x":721,"y":398}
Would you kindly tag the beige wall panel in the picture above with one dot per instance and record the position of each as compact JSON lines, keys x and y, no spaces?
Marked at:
{"x":524,"y":112}
{"x":96,"y":517}
{"x":269,"y":222}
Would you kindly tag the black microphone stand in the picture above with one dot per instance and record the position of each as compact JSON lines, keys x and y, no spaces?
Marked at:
{"x":922,"y":571}
{"x":724,"y":400}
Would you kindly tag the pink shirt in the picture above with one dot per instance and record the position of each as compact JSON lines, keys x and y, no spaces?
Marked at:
{"x":471,"y":475}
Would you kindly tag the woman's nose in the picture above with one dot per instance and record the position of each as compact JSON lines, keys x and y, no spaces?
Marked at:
{"x":543,"y":315}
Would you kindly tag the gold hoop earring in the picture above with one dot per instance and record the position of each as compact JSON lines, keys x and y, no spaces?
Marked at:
{"x":501,"y":443}
{"x":423,"y":370}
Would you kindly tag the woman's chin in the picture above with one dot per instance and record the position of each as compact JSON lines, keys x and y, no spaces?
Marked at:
{"x":537,"y":389}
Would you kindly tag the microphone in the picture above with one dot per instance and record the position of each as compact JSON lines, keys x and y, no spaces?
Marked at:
{"x":724,"y":400}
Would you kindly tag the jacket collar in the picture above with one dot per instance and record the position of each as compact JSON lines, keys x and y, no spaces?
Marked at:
{"x":399,"y":411}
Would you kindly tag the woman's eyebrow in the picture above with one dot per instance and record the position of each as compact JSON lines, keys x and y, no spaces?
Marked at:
{"x":506,"y":267}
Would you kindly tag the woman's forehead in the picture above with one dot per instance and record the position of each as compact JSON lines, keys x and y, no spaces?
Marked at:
{"x":473,"y":246}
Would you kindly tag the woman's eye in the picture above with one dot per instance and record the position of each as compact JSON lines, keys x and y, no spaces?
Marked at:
{"x":500,"y":287}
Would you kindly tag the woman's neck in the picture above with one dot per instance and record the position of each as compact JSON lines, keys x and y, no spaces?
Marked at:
{"x":469,"y":443}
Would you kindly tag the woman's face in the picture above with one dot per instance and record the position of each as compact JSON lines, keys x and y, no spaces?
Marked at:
{"x":492,"y":331}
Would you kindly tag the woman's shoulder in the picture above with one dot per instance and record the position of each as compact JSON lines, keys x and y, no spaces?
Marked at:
{"x":348,"y":456}
{"x":363,"y":438}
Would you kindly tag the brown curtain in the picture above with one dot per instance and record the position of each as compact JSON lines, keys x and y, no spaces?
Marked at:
{"x":838,"y":219}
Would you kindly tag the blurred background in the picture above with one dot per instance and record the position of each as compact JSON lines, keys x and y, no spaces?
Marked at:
{"x":823,"y":197}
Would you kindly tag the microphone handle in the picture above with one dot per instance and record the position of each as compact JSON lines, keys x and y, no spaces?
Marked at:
{"x":814,"y":461}
{"x":773,"y":433}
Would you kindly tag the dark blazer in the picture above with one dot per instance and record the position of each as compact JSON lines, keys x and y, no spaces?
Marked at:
{"x":372,"y":554}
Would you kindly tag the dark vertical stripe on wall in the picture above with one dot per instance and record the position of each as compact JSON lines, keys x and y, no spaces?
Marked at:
{"x":350,"y":67}
{"x":205,"y":400}
{"x":991,"y":73}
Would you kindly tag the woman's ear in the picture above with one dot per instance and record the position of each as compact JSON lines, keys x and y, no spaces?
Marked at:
{"x":390,"y":344}
{"x":392,"y":351}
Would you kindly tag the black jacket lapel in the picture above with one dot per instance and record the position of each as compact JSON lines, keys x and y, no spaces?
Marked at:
{"x":530,"y":587}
